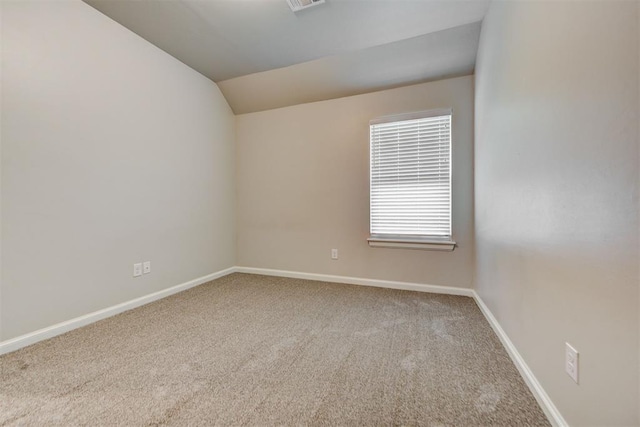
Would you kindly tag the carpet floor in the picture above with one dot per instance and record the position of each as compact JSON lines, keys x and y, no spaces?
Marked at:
{"x":258,"y":350}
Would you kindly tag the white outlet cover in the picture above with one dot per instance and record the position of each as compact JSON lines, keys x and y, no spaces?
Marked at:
{"x":137,"y":269}
{"x":571,"y":362}
{"x":297,"y":5}
{"x":334,"y":254}
{"x":146,"y":267}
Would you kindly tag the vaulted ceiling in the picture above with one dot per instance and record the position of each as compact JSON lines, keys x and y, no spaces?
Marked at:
{"x":263,"y":55}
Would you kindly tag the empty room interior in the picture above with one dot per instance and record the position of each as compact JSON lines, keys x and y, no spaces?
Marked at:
{"x":320,"y":212}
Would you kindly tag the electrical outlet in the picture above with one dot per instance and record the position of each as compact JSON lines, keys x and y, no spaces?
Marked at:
{"x":146,"y":267}
{"x":334,"y":254}
{"x":571,"y":362}
{"x":137,"y":269}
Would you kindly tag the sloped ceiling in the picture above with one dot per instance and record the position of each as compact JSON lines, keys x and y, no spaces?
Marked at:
{"x":264,"y":56}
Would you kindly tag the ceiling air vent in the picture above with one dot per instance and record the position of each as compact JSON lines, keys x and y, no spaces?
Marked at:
{"x":297,"y":5}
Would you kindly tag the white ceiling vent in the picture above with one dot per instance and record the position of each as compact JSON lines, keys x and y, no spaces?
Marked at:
{"x":297,"y":5}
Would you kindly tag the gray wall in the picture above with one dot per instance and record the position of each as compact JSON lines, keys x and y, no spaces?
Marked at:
{"x":557,"y":196}
{"x":113,"y":152}
{"x":303,"y":187}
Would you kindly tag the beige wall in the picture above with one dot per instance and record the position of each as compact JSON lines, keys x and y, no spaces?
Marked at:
{"x":303,"y":187}
{"x":113,"y":152}
{"x":1,"y":113}
{"x":557,"y":196}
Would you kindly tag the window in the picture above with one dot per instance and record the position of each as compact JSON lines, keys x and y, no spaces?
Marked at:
{"x":410,"y":187}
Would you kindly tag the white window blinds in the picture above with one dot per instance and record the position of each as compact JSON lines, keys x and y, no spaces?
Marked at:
{"x":411,"y":175}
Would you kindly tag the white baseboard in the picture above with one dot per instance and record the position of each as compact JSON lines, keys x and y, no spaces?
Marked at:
{"x":69,"y":325}
{"x":407,"y":286}
{"x":550,"y":410}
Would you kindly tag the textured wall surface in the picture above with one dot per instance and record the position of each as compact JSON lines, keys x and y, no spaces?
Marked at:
{"x":556,"y":182}
{"x":303,"y":187}
{"x":113,"y":152}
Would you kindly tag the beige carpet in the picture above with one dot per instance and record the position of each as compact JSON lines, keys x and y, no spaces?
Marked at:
{"x":259,"y":350}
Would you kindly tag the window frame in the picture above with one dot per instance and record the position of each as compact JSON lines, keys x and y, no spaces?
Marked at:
{"x":425,"y":242}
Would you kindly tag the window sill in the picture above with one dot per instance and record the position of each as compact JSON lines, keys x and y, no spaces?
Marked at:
{"x":406,"y":242}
